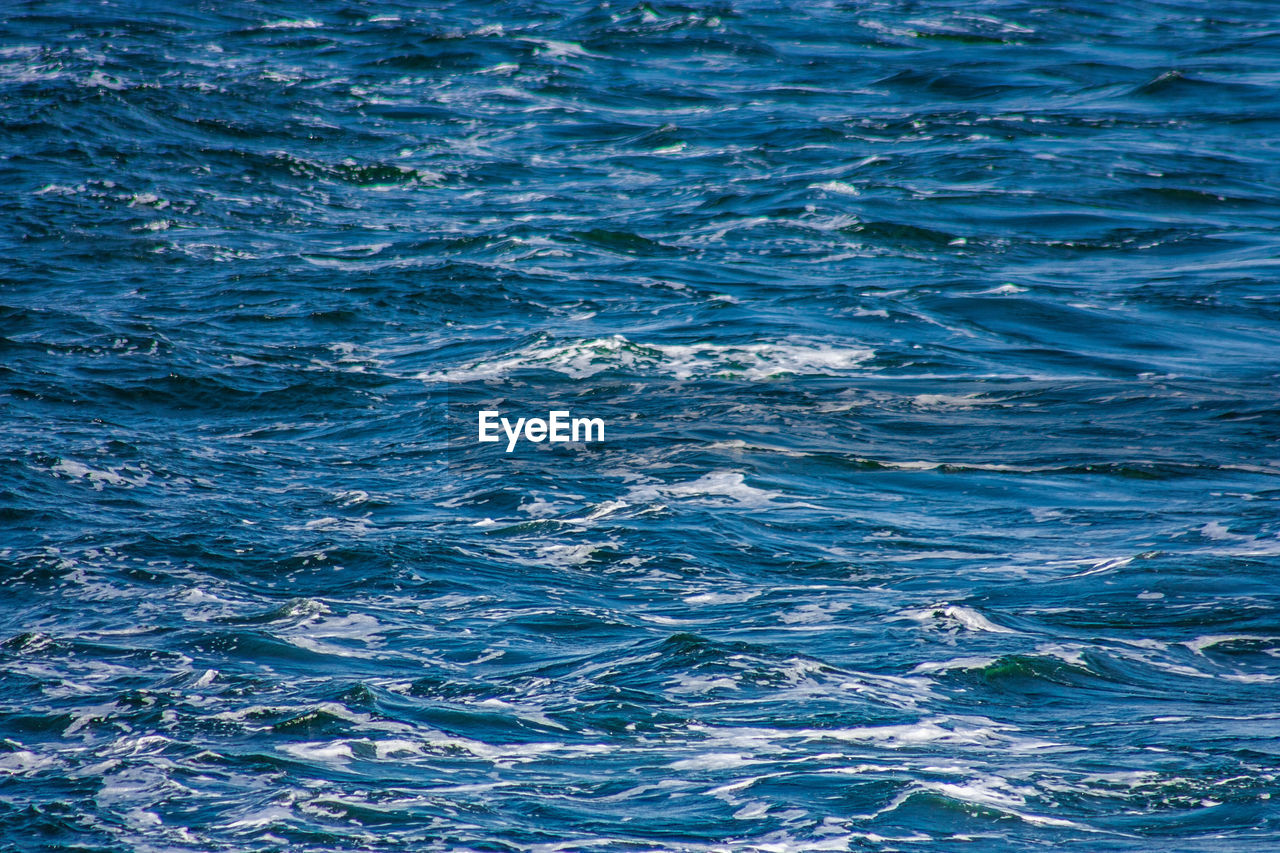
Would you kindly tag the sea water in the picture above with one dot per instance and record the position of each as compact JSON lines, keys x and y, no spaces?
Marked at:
{"x":936,"y":350}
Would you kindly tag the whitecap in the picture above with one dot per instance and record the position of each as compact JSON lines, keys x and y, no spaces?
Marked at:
{"x":586,"y":358}
{"x":837,"y":187}
{"x":1199,"y":644}
{"x":713,"y":761}
{"x":328,"y":752}
{"x":956,"y":616}
{"x":714,"y":484}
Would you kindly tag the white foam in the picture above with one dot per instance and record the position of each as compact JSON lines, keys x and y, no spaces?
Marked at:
{"x":958,"y":616}
{"x":959,"y":731}
{"x":996,"y":795}
{"x":130,"y":478}
{"x":24,"y":762}
{"x":1199,"y":644}
{"x":1070,"y":653}
{"x":148,"y":200}
{"x":523,"y":712}
{"x":600,"y":511}
{"x":329,"y":752}
{"x":59,"y":189}
{"x":1217,"y":531}
{"x":559,"y":49}
{"x":1100,"y":566}
{"x":287,"y":24}
{"x":715,"y":484}
{"x":694,"y":684}
{"x":837,"y":187}
{"x":352,"y":526}
{"x":955,"y":663}
{"x":538,"y":507}
{"x":813,"y":614}
{"x":568,"y":556}
{"x":943,"y":402}
{"x":104,"y":81}
{"x":351,"y":498}
{"x":262,"y":817}
{"x":713,"y":761}
{"x":721,"y":597}
{"x":586,"y":358}
{"x":316,"y":632}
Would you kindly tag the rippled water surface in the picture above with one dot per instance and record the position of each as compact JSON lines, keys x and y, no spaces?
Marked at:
{"x":939,"y":350}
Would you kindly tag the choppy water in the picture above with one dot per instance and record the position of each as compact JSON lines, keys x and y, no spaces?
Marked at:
{"x":939,"y":347}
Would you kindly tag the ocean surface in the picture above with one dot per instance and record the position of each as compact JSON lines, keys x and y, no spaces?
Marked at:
{"x":938,"y":350}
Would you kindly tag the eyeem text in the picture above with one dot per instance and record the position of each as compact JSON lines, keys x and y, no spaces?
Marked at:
{"x":558,"y":426}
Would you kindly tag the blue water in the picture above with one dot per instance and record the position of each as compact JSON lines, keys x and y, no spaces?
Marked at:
{"x":938,"y":346}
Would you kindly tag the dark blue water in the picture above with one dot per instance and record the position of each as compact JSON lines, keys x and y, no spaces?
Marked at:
{"x":938,"y":347}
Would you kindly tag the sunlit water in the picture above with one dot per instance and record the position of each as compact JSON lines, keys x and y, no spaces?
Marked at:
{"x":939,"y":347}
